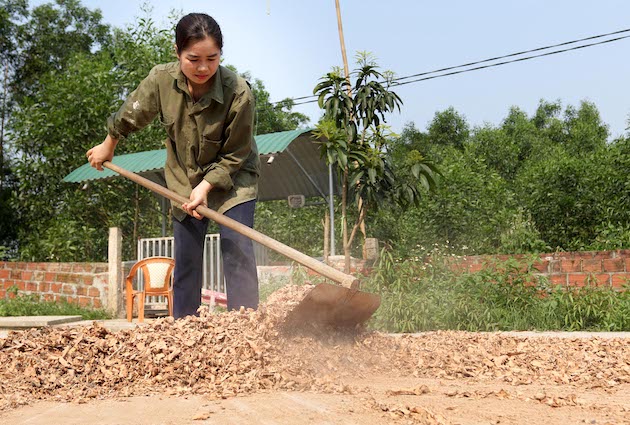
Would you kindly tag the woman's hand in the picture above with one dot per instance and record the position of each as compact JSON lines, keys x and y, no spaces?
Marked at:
{"x":101,"y":153}
{"x":199,"y":196}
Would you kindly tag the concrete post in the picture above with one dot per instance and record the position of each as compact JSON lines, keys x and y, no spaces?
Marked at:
{"x":115,"y":283}
{"x":370,"y":249}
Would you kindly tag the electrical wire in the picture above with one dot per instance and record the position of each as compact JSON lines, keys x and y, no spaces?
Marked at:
{"x":399,"y":81}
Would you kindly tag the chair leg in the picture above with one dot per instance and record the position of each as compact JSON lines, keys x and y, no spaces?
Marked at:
{"x":130,"y":307}
{"x":141,"y":307}
{"x":169,"y":300}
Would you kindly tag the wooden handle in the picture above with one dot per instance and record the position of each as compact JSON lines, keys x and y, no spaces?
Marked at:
{"x":325,"y":270}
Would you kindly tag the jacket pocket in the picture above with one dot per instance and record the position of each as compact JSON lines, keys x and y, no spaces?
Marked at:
{"x":208,"y":151}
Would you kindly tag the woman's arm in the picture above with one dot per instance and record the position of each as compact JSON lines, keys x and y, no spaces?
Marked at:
{"x":101,"y":153}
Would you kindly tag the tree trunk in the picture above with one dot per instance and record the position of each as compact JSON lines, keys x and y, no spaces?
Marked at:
{"x":2,"y":119}
{"x":344,"y":220}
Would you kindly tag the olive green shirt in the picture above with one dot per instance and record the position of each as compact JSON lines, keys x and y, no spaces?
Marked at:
{"x":211,"y":139}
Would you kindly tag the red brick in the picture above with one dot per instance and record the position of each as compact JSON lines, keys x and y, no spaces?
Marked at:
{"x":65,"y":267}
{"x":68,"y":289}
{"x":68,"y":278}
{"x":101,"y":267}
{"x":54,"y":267}
{"x":94,"y":292}
{"x":15,"y":274}
{"x":49,"y":297}
{"x":619,"y":280}
{"x":79,"y":267}
{"x":614,"y":265}
{"x":4,"y":274}
{"x":20,"y":285}
{"x":554,"y":266}
{"x":44,"y":286}
{"x":592,"y":265}
{"x":31,"y":286}
{"x":603,"y":255}
{"x":3,"y":294}
{"x":474,"y":268}
{"x":592,"y":279}
{"x":81,"y":290}
{"x":97,"y":303}
{"x":570,"y":266}
{"x":542,"y":266}
{"x":84,"y":301}
{"x":50,"y":277}
{"x":558,"y":279}
{"x":87,"y":280}
{"x":56,"y":287}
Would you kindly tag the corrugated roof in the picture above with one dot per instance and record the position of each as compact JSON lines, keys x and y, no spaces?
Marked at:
{"x":140,"y":162}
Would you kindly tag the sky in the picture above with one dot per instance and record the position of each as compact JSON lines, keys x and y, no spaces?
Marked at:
{"x":290,"y":44}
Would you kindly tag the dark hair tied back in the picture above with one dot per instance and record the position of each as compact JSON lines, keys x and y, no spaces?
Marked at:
{"x":195,"y":27}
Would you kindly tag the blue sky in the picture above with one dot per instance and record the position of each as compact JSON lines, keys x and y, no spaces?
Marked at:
{"x":290,"y":44}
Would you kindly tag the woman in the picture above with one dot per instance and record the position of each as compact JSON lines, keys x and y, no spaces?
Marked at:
{"x":212,"y":159}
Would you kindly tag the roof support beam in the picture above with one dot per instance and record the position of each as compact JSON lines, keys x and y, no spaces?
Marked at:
{"x":321,"y":192}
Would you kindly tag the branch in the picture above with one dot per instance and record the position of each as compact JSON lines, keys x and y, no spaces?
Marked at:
{"x":362,"y":214}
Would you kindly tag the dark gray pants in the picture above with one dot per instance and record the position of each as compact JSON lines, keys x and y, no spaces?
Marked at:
{"x":239,"y":263}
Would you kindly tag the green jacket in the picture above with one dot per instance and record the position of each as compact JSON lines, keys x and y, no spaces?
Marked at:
{"x":211,"y":139}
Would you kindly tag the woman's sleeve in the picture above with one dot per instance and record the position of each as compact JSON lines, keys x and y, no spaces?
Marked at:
{"x":140,"y":108}
{"x":239,"y":134}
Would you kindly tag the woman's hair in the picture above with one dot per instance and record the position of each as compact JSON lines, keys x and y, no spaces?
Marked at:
{"x":195,"y":27}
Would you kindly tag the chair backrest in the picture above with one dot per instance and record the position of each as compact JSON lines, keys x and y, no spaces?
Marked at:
{"x":157,"y":274}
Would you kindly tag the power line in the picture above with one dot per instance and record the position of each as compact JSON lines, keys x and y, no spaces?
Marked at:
{"x":510,"y":61}
{"x":397,"y":81}
{"x":538,"y":49}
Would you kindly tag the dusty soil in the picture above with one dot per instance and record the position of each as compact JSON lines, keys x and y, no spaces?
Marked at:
{"x":246,"y":367}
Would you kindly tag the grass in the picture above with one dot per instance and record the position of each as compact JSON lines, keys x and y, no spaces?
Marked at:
{"x":430,"y":295}
{"x":33,"y":305}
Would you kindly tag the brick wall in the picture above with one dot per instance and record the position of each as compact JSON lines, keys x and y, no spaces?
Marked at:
{"x":602,"y":268}
{"x":82,"y":283}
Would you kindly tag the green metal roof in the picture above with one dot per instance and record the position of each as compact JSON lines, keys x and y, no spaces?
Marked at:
{"x":140,"y":162}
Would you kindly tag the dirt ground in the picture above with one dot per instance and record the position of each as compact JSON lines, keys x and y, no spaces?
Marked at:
{"x":247,"y":368}
{"x":377,"y":400}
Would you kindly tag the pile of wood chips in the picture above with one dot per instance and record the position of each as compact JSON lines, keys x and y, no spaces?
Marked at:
{"x":234,"y":353}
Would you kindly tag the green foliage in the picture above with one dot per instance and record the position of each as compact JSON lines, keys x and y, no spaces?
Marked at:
{"x":356,"y":141}
{"x":271,"y":118}
{"x":32,"y":305}
{"x":48,"y":40}
{"x":449,"y":128}
{"x":431,"y":295}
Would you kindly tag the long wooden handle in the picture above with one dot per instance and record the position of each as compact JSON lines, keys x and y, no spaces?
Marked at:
{"x":325,"y":270}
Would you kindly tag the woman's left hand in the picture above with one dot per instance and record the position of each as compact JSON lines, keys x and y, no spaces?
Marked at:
{"x":199,"y":196}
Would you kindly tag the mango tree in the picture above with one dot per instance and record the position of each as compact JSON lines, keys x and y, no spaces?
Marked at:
{"x":355,"y":140}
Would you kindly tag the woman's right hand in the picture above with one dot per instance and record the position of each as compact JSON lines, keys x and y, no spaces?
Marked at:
{"x":101,"y":153}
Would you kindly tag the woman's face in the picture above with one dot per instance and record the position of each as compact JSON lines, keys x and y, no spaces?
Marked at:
{"x":200,"y":60}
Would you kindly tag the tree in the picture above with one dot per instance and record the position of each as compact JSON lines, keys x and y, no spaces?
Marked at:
{"x":449,"y":128}
{"x":355,"y":141}
{"x":53,"y":128}
{"x":274,"y":117}
{"x":51,"y":36}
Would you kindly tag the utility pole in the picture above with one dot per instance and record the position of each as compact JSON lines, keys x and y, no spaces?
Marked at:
{"x":347,"y":75}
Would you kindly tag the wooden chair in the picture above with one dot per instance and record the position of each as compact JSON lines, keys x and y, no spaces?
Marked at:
{"x":157,"y":275}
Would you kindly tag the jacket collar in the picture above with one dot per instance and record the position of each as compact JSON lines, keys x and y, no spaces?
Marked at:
{"x":215,"y":92}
